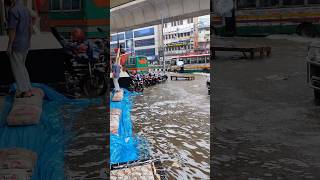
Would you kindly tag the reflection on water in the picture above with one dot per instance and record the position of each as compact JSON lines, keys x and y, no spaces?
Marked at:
{"x":174,"y":117}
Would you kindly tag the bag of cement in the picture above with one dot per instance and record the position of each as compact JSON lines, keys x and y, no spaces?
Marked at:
{"x":115,"y":115}
{"x":14,"y":174}
{"x":26,"y":111}
{"x":118,"y":96}
{"x":16,"y":158}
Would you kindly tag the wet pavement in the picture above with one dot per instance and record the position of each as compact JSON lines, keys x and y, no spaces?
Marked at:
{"x":267,"y":125}
{"x":174,"y":118}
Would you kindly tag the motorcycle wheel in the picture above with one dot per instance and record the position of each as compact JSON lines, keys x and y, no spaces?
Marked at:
{"x":97,"y":87}
{"x":139,"y":88}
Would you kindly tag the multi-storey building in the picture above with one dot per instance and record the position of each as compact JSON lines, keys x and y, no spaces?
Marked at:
{"x":178,"y":37}
{"x":142,"y":41}
{"x":203,"y":35}
{"x":186,"y":36}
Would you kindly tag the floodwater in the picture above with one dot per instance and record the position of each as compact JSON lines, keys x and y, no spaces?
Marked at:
{"x":85,"y":153}
{"x":174,"y":118}
{"x":267,"y":125}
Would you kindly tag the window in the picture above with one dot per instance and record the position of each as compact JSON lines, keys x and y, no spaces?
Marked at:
{"x":190,"y":20}
{"x":181,"y":22}
{"x":146,"y":52}
{"x":129,"y":34}
{"x":269,"y":3}
{"x":144,"y":32}
{"x":65,"y":4}
{"x":293,"y":2}
{"x":165,"y":25}
{"x":313,"y":1}
{"x":120,"y":37}
{"x":172,"y":24}
{"x":246,"y":3}
{"x":132,"y":61}
{"x":145,"y":42}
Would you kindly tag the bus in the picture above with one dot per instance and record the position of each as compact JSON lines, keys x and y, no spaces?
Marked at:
{"x":137,"y":63}
{"x":191,"y":63}
{"x":265,"y":17}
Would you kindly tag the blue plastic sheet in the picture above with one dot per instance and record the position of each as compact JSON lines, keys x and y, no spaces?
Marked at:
{"x":123,"y":147}
{"x":48,"y":138}
{"x":126,"y":146}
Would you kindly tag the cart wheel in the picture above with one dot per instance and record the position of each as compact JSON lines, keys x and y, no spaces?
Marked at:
{"x":317,"y":95}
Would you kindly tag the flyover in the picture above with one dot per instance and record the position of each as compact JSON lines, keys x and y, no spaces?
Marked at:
{"x":131,"y":14}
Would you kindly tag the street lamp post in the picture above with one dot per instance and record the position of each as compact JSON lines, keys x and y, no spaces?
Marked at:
{"x":162,"y":45}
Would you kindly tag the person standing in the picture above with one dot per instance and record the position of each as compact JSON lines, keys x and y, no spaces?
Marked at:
{"x":19,"y":25}
{"x":116,"y":74}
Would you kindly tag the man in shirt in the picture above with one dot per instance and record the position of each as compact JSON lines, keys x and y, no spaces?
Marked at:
{"x":19,"y":24}
{"x":116,"y":68}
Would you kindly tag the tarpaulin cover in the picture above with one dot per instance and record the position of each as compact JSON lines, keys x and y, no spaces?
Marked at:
{"x":123,"y":147}
{"x":126,"y":146}
{"x":48,"y":138}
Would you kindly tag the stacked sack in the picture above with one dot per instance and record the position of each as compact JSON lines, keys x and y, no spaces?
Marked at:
{"x":118,"y":96}
{"x":26,"y":111}
{"x":115,"y":115}
{"x":17,"y":164}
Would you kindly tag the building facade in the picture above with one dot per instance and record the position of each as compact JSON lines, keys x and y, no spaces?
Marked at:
{"x":142,"y":41}
{"x":186,"y":37}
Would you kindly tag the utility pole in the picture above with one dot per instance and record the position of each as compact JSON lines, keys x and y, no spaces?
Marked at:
{"x":118,"y":43}
{"x":162,"y":45}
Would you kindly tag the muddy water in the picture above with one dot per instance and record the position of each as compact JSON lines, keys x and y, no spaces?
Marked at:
{"x":174,"y":118}
{"x":85,"y":153}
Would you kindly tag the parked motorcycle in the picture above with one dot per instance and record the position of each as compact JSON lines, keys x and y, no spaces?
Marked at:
{"x":137,"y":84}
{"x":85,"y":73}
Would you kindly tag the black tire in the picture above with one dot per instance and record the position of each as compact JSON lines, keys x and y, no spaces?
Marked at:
{"x":307,"y":30}
{"x":139,"y":88}
{"x":97,"y":88}
{"x":316,"y":94}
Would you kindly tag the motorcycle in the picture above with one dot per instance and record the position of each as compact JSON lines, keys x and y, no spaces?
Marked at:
{"x":85,"y":72}
{"x":136,"y":84}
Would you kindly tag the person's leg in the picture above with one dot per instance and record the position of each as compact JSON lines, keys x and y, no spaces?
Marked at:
{"x":26,"y":74}
{"x":116,"y":84}
{"x":16,"y":61}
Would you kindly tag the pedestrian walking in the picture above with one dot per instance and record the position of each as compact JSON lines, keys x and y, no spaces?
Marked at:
{"x":19,"y":25}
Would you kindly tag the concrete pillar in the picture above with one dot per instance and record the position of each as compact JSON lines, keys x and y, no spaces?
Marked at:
{"x":2,"y":18}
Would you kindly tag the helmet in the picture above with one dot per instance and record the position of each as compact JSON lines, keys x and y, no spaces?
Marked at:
{"x":77,"y":35}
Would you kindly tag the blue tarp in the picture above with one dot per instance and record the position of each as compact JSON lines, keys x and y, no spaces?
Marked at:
{"x":48,"y":138}
{"x":126,"y":146}
{"x":123,"y":147}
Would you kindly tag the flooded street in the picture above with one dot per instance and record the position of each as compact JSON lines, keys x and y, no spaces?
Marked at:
{"x":174,"y":118}
{"x":85,"y":154}
{"x":267,"y":125}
